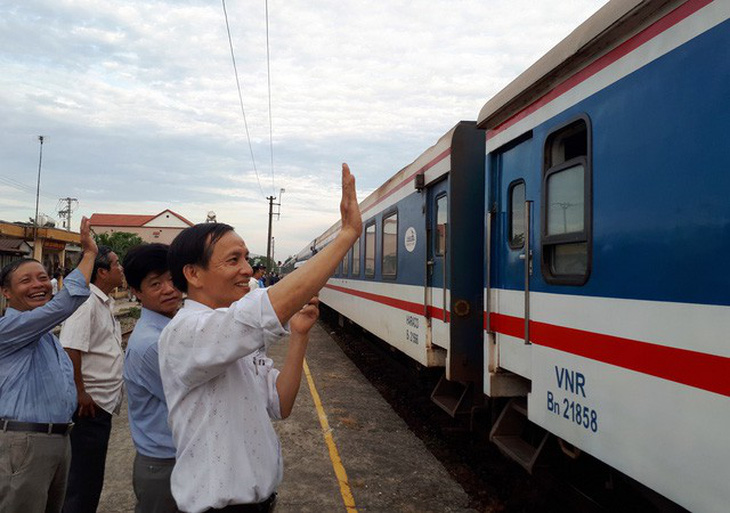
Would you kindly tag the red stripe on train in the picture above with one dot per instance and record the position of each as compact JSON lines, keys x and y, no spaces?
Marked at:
{"x":700,"y":370}
{"x":692,"y":368}
{"x":622,"y":50}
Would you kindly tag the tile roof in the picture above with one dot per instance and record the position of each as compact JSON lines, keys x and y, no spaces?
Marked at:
{"x":129,"y":219}
{"x":119,"y":219}
{"x":11,"y":246}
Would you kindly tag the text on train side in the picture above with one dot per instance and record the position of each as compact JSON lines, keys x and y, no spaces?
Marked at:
{"x":571,"y":383}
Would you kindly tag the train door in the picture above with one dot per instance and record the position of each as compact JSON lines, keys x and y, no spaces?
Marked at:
{"x":512,"y":242}
{"x":437,"y":276}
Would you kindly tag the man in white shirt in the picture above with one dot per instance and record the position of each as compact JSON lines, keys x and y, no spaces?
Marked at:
{"x":258,"y":272}
{"x":221,"y":388}
{"x":93,"y":340}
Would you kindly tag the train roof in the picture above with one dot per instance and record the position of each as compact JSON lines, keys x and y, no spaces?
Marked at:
{"x":436,"y":154}
{"x":611,"y":25}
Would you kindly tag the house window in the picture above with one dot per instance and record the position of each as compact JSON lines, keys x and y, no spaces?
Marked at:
{"x":390,"y":245}
{"x":566,"y":220}
{"x":370,"y":250}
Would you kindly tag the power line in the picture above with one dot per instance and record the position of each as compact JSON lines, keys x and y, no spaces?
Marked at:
{"x":268,"y":78}
{"x":240,"y":97}
{"x":21,"y":186}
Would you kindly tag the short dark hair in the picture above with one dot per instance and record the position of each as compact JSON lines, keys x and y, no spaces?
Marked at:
{"x":101,"y":261}
{"x":256,"y":268}
{"x":194,"y":246}
{"x":7,"y":272}
{"x":142,"y":260}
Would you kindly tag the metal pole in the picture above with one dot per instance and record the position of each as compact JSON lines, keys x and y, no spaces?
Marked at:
{"x":36,"y":248}
{"x":38,"y":187}
{"x":268,"y":239}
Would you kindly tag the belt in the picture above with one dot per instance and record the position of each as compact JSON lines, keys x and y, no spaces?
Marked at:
{"x":259,"y":507}
{"x":36,"y":427}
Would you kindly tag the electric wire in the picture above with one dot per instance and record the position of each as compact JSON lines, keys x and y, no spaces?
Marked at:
{"x":240,"y":97}
{"x":268,"y":78}
{"x":21,"y":186}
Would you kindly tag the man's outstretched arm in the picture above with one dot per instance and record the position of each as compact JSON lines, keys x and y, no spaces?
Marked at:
{"x":290,"y":294}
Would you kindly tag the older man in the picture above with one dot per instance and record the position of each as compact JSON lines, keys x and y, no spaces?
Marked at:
{"x":221,"y":388}
{"x":93,"y":340}
{"x":37,"y":393}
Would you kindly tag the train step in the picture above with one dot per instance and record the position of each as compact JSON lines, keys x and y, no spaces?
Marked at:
{"x":452,"y":397}
{"x":516,"y":437}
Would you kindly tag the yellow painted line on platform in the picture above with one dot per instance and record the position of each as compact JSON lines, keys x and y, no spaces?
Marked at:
{"x":334,"y":455}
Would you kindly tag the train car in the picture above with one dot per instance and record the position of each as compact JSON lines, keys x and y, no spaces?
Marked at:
{"x":422,"y":249}
{"x":608,"y":175}
{"x":589,"y":206}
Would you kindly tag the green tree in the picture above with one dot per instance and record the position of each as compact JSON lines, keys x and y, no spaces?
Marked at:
{"x":120,"y":242}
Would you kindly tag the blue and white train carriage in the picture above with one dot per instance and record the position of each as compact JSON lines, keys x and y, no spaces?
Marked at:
{"x":608,"y":165}
{"x":410,"y":262}
{"x":596,"y":222}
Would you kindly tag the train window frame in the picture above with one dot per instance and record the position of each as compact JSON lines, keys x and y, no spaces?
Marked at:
{"x":443,"y":195}
{"x":550,"y":243}
{"x":386,"y":216}
{"x":510,"y":211}
{"x":365,"y":248}
{"x":356,"y":257}
{"x":346,"y":264}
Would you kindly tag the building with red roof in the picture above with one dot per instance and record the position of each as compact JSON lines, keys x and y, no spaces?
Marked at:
{"x":162,"y":227}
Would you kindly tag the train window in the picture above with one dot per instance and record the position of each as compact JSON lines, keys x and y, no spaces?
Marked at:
{"x":517,"y":214}
{"x":442,"y":220}
{"x":390,"y":245}
{"x":346,"y":264}
{"x":370,"y":250}
{"x":566,"y":219}
{"x":356,"y":258}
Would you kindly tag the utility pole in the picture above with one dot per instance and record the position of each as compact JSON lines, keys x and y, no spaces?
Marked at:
{"x":271,"y":215}
{"x":66,"y":213}
{"x":268,"y":239}
{"x":37,"y":248}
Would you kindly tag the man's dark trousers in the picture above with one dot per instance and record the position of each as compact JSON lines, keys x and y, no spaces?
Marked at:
{"x":151,"y":482}
{"x":89,"y":442}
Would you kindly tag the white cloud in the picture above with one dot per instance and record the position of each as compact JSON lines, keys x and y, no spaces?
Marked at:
{"x":141,"y":113}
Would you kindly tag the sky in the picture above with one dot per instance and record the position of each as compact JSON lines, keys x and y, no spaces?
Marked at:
{"x":138,"y":104}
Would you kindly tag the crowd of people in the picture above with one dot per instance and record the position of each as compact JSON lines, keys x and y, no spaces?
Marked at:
{"x":200,"y":388}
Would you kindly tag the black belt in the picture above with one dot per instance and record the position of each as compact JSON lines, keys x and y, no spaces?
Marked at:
{"x":36,"y":427}
{"x":260,"y":507}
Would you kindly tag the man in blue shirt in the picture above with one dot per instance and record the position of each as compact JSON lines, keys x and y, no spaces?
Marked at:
{"x":37,"y":391}
{"x":145,"y":268}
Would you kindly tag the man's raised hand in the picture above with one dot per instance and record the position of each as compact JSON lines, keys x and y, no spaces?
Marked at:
{"x":87,"y":241}
{"x":349,"y":209}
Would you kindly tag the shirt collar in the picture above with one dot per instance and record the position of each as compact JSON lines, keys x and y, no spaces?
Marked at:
{"x":12,"y":312}
{"x":96,"y":290}
{"x":154,"y":318}
{"x":192,"y":305}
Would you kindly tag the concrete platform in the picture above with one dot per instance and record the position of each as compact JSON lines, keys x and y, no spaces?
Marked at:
{"x":388,"y":469}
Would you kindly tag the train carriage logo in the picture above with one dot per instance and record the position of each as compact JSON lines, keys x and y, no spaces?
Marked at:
{"x":410,"y":239}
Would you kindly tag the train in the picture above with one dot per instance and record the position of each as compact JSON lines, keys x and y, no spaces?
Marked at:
{"x":561,"y":255}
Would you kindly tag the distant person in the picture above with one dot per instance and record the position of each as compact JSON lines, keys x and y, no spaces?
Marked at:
{"x":262,"y":277}
{"x":37,"y":393}
{"x":93,"y":340}
{"x":147,"y":274}
{"x":55,"y":281}
{"x":220,"y":386}
{"x":258,"y":272}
